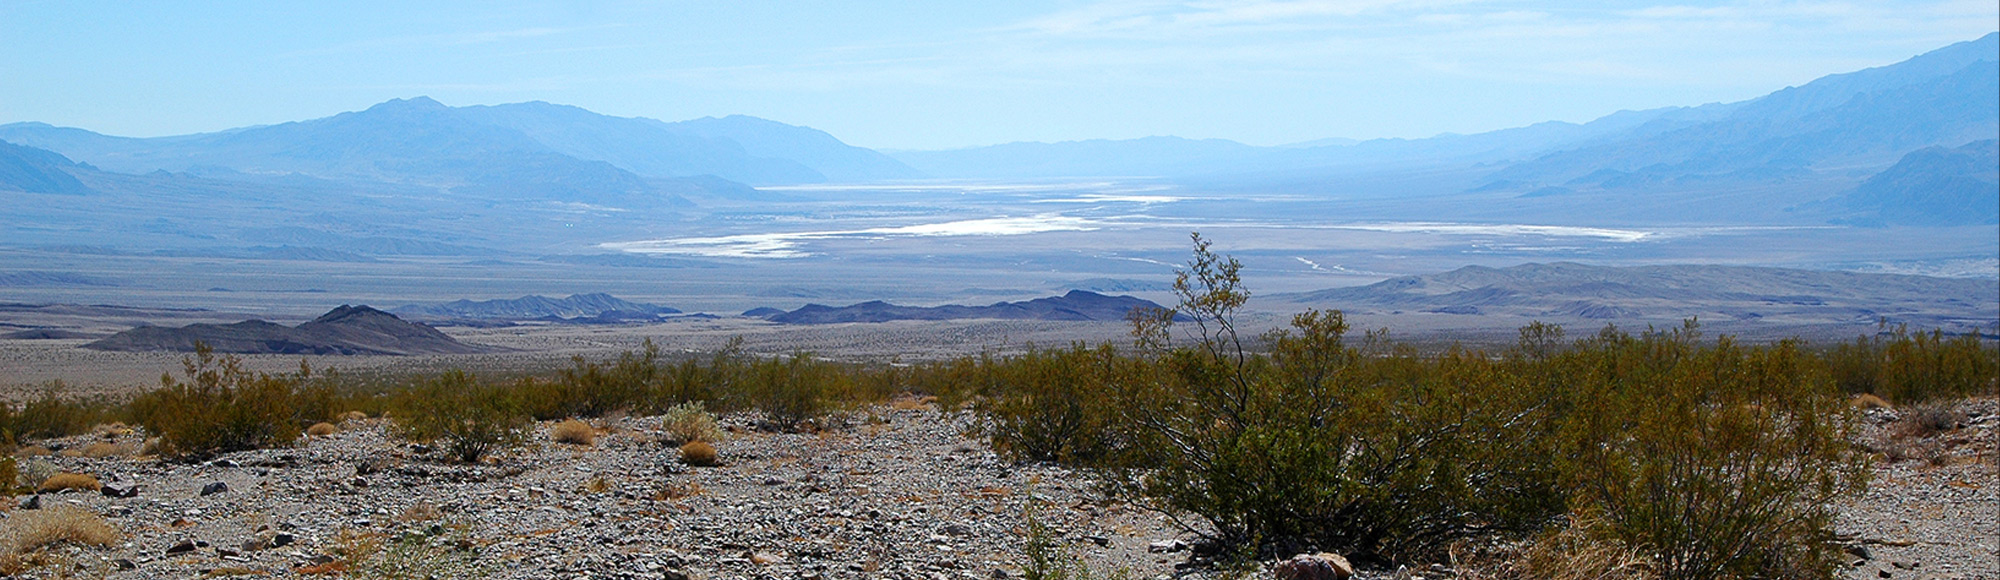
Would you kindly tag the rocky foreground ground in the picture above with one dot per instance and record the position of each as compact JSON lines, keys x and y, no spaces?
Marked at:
{"x":898,"y":493}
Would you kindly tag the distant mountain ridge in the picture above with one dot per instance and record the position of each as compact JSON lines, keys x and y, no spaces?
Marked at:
{"x":346,"y":330}
{"x":1077,"y":305}
{"x":1935,"y":186}
{"x":535,"y":307}
{"x":501,"y":148}
{"x":1870,"y":117}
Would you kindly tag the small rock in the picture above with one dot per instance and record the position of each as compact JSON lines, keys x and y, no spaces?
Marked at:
{"x":1166,"y":546}
{"x":281,"y":539}
{"x":182,"y":547}
{"x":774,"y":480}
{"x":33,"y":502}
{"x":115,"y":490}
{"x":222,"y":463}
{"x":214,"y":488}
{"x":123,"y":564}
{"x":1321,"y":566}
{"x":358,"y":481}
{"x":1101,"y":541}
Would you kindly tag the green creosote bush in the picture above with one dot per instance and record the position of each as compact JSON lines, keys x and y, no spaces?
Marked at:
{"x":219,"y":407}
{"x":52,"y":414}
{"x":1314,"y":444}
{"x":1050,"y":405}
{"x":1908,"y":368}
{"x":1718,"y":462}
{"x":467,"y":417}
{"x":791,"y":391}
{"x":1045,"y":557}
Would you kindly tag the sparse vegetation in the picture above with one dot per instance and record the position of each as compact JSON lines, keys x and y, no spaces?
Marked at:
{"x":699,"y":454}
{"x":574,"y":432}
{"x":25,"y":533}
{"x":68,"y":481}
{"x":218,"y":406}
{"x":689,"y":422}
{"x":469,"y":418}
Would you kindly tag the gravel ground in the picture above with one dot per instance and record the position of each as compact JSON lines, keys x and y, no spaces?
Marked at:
{"x":1933,"y":508}
{"x":897,"y":493}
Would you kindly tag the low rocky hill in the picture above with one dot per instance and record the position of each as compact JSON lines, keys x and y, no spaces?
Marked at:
{"x":1570,"y":291}
{"x":1077,"y":305}
{"x":344,"y":330}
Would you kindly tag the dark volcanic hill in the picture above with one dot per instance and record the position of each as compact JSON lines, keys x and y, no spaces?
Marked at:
{"x":344,"y":330}
{"x":1569,"y":291}
{"x":1077,"y":305}
{"x":535,"y":306}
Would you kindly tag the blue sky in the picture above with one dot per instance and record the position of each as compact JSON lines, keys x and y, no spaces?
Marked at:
{"x":931,"y":74}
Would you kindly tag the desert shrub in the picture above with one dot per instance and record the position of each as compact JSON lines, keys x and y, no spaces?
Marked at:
{"x":700,"y":454}
{"x":689,"y":422}
{"x":1050,"y":405}
{"x":1315,"y":444}
{"x":791,"y":391}
{"x":1717,"y":462}
{"x":33,"y":451}
{"x":470,"y":418}
{"x":592,"y":389}
{"x":68,"y":481}
{"x":574,"y":432}
{"x":32,"y":473}
{"x":321,"y":430}
{"x":52,"y":414}
{"x":351,"y":416}
{"x":1906,"y":367}
{"x":219,"y":407}
{"x":1928,"y":420}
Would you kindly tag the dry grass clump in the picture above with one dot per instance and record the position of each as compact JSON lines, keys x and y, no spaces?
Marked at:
{"x":690,"y":422}
{"x":1866,"y":401}
{"x":67,"y":481}
{"x":678,"y":491}
{"x":598,"y":484}
{"x":700,"y":454}
{"x":112,"y":429}
{"x":29,"y":531}
{"x":353,"y":416}
{"x":912,"y":403}
{"x":33,"y":451}
{"x":1576,"y":552}
{"x":574,"y":432}
{"x":103,"y":449}
{"x":321,"y":430}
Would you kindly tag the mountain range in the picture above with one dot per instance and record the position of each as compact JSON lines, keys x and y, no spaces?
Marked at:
{"x":1864,"y":119}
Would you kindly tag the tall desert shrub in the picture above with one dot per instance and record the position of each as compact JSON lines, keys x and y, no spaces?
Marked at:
{"x":467,"y":417}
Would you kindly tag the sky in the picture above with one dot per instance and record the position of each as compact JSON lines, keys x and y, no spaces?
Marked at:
{"x":937,"y":74}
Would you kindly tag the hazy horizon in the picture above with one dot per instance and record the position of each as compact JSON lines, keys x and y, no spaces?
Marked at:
{"x":941,"y":77}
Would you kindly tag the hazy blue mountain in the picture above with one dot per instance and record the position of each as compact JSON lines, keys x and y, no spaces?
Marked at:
{"x":642,"y":146}
{"x":1869,"y":117}
{"x":33,"y":170}
{"x":415,"y":142}
{"x":1935,"y":186}
{"x":507,"y":149}
{"x":813,"y":148}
